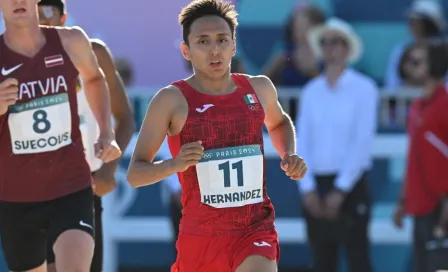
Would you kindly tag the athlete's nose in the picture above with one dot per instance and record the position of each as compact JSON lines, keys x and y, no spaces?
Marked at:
{"x":215,"y":49}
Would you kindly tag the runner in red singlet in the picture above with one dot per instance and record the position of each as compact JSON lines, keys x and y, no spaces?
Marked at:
{"x":214,"y":123}
{"x":45,"y":182}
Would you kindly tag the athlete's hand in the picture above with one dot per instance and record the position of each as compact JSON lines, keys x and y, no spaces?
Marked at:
{"x":9,"y":93}
{"x":190,"y":154}
{"x":107,"y":149}
{"x":294,"y":166}
{"x":104,"y":181}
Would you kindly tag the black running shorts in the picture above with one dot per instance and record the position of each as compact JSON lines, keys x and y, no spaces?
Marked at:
{"x":25,"y":228}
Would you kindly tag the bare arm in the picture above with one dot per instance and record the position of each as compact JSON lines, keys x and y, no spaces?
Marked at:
{"x":278,"y":123}
{"x":142,"y":169}
{"x":78,"y":46}
{"x":120,"y":105}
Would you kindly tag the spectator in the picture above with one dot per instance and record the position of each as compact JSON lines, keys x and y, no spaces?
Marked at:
{"x":336,"y":128}
{"x":425,"y":21}
{"x":296,"y":65}
{"x":425,"y":191}
{"x":411,"y":68}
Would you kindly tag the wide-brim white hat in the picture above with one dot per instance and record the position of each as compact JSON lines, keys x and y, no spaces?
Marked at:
{"x":427,"y":9}
{"x":342,"y":28}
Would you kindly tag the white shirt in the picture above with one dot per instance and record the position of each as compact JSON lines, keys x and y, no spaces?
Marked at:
{"x":336,"y":128}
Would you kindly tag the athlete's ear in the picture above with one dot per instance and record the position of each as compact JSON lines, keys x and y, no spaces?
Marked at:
{"x":185,"y":50}
{"x":63,"y":19}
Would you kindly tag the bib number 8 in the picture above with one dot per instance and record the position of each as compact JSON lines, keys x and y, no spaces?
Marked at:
{"x":41,"y":124}
{"x":238,"y":166}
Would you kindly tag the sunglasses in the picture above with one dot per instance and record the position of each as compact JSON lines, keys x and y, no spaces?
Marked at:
{"x":332,"y":42}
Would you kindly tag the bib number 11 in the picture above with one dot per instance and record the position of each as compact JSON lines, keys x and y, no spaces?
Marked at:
{"x":238,"y":166}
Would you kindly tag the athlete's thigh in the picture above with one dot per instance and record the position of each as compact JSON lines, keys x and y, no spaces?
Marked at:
{"x":261,"y":246}
{"x":73,"y":223}
{"x":23,"y":235}
{"x":202,"y":254}
{"x":74,"y":251}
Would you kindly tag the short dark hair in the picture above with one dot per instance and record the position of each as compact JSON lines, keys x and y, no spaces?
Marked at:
{"x":200,"y":8}
{"x":437,"y":52}
{"x":59,"y":4}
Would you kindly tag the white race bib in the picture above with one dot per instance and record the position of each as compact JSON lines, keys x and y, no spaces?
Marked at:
{"x":231,"y":177}
{"x":41,"y":125}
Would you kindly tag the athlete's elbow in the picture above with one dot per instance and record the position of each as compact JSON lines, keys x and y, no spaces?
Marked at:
{"x":134,"y":178}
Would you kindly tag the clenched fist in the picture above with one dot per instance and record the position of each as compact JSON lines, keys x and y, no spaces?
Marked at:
{"x":294,"y":166}
{"x":107,"y":149}
{"x":190,"y":154}
{"x":9,"y":93}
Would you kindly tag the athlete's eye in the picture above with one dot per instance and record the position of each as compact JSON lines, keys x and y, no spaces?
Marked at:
{"x":202,"y":42}
{"x":223,"y":40}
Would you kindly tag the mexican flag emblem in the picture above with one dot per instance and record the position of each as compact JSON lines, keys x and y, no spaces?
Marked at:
{"x":250,"y":99}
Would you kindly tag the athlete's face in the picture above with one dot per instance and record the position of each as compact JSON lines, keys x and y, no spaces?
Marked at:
{"x":19,"y":11}
{"x":51,"y":16}
{"x":211,"y":47}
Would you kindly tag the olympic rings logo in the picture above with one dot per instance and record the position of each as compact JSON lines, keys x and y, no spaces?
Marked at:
{"x":207,"y":156}
{"x":253,"y":107}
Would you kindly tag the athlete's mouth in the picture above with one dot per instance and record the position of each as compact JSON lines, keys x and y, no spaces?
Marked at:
{"x":215,"y":63}
{"x":20,"y":10}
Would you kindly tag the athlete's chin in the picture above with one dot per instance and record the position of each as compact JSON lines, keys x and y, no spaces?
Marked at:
{"x":215,"y":76}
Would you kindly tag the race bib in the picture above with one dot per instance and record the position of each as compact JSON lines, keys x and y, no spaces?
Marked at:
{"x":231,"y":177}
{"x":40,"y":125}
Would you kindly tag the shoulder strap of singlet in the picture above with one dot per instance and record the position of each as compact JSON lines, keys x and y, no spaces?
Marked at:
{"x":187,"y":91}
{"x":52,"y":34}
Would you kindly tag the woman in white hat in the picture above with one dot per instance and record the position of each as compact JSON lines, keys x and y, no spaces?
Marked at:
{"x":336,"y":128}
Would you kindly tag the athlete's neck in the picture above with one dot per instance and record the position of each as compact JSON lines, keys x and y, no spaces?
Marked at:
{"x":222,"y":86}
{"x":26,"y":41}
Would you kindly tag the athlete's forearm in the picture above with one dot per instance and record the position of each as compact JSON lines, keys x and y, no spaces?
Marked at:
{"x":97,"y":95}
{"x":283,"y":137}
{"x":142,"y":173}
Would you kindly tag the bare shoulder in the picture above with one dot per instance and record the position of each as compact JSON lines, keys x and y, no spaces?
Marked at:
{"x":263,"y":87}
{"x":169,"y":97}
{"x":99,"y":46}
{"x":260,"y":81}
{"x":73,"y":34}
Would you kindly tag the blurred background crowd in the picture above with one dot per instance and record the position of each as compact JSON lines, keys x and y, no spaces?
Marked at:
{"x":380,"y":40}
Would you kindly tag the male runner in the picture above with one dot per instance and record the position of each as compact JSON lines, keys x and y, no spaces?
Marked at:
{"x":214,"y":122}
{"x":45,"y":185}
{"x":53,"y":13}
